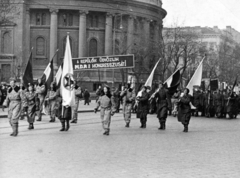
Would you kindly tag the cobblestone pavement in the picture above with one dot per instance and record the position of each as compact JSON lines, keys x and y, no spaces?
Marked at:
{"x":211,"y":149}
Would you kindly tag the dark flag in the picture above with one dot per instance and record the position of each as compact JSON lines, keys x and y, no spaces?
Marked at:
{"x":235,"y":83}
{"x":28,"y":74}
{"x":214,"y":84}
{"x":173,"y":82}
{"x":58,"y":76}
{"x":47,"y":77}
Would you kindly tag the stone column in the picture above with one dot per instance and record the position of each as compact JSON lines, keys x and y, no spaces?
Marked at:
{"x":156,"y":33}
{"x":53,"y":35}
{"x":109,"y":35}
{"x":146,"y":30}
{"x":27,"y":32}
{"x":108,"y":40}
{"x":82,"y":48}
{"x":130,"y":34}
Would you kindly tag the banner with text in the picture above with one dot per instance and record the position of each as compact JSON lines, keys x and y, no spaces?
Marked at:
{"x":103,"y":62}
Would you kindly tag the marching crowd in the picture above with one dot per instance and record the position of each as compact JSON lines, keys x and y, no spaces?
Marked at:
{"x":31,"y":102}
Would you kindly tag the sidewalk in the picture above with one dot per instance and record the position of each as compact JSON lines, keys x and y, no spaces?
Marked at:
{"x":81,"y":108}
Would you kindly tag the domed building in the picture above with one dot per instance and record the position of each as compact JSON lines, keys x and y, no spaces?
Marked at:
{"x":96,"y":28}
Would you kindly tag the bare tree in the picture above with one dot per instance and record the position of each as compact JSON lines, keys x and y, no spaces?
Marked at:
{"x":8,"y":11}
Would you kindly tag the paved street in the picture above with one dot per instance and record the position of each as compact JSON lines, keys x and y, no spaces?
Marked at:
{"x":210,"y":149}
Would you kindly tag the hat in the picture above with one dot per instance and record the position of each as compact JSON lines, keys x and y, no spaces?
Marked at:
{"x":148,"y":88}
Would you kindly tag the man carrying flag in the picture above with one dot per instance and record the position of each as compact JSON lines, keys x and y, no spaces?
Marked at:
{"x":67,"y":88}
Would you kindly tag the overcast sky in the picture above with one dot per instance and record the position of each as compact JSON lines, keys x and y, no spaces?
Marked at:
{"x":203,"y":13}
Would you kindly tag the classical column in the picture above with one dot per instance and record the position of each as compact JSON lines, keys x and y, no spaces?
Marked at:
{"x":53,"y":35}
{"x":82,"y":49}
{"x":108,"y":39}
{"x":156,"y":33}
{"x":130,"y":34}
{"x":109,"y":35}
{"x":27,"y":31}
{"x":146,"y":28}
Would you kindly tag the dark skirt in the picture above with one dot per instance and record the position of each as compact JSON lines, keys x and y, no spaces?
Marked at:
{"x":67,"y":113}
{"x":184,"y":118}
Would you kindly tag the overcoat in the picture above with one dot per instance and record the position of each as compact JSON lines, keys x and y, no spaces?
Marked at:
{"x":143,"y":107}
{"x":163,"y":103}
{"x":184,"y":109}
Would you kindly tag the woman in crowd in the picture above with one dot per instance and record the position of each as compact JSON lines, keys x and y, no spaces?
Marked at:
{"x":13,"y":101}
{"x":142,"y":108}
{"x":31,"y":98}
{"x":107,"y":109}
{"x":184,"y":109}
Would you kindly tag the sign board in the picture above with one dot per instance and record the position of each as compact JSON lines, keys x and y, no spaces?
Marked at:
{"x":103,"y":62}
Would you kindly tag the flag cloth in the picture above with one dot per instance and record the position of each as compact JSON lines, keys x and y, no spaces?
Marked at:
{"x":28,"y":74}
{"x":47,"y":77}
{"x":196,"y":78}
{"x":67,"y":81}
{"x":58,"y":76}
{"x":150,"y":78}
{"x":173,"y":82}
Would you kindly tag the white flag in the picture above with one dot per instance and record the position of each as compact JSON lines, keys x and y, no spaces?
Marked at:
{"x":196,"y":78}
{"x":150,"y":78}
{"x":67,"y":81}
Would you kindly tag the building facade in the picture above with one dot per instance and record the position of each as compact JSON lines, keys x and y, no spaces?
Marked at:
{"x":96,"y":28}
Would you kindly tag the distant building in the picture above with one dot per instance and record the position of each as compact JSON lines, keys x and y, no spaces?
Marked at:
{"x":44,"y":24}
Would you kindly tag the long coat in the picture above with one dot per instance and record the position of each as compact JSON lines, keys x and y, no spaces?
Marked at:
{"x":142,"y":109}
{"x":163,"y":103}
{"x":32,"y":104}
{"x":197,"y":99}
{"x":13,"y":101}
{"x":184,"y":109}
{"x":218,"y":101}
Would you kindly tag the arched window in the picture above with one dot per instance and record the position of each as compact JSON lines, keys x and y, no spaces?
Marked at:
{"x":40,"y":46}
{"x":38,"y":19}
{"x":44,"y":19}
{"x":6,"y":43}
{"x":93,"y":47}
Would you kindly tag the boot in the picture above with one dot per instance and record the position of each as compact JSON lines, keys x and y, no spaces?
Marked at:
{"x":164,"y":125}
{"x":161,"y":126}
{"x":12,"y":129}
{"x":30,"y":126}
{"x":106,"y":132}
{"x":68,"y":126}
{"x":15,"y":130}
{"x":39,"y":119}
{"x":127,"y":124}
{"x":74,"y":121}
{"x":185,"y":128}
{"x":63,"y":126}
{"x":141,"y":124}
{"x":52,"y":119}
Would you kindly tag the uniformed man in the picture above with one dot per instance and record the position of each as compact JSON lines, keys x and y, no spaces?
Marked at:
{"x":218,"y":101}
{"x":51,"y":100}
{"x":128,"y":97}
{"x":13,"y":101}
{"x":196,"y":101}
{"x":78,"y":96}
{"x":40,"y":90}
{"x":163,"y":104}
